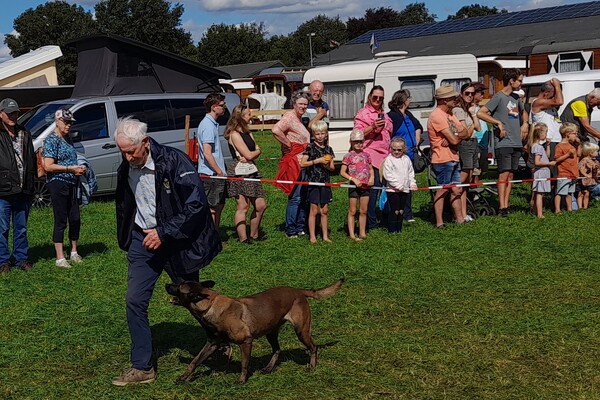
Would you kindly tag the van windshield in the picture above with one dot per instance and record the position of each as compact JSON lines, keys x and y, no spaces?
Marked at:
{"x":40,"y":117}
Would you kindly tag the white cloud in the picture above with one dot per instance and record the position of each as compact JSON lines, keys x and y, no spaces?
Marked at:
{"x":4,"y":52}
{"x":276,"y":6}
{"x":197,"y":30}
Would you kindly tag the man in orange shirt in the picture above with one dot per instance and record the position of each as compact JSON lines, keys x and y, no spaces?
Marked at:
{"x":445,"y":133}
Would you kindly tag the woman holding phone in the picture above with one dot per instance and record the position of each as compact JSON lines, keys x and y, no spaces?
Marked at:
{"x":377,"y":127}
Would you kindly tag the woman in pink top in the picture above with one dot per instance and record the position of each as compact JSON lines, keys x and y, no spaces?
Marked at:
{"x":377,"y":127}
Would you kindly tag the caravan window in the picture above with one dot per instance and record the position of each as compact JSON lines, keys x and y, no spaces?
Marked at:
{"x":344,"y":99}
{"x":456,"y":83}
{"x":421,"y":92}
{"x":192,"y":107}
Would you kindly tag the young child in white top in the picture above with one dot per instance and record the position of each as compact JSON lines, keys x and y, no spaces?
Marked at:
{"x":400,"y":180}
{"x":588,"y":169}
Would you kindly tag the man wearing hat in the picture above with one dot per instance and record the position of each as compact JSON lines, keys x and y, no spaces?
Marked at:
{"x":445,"y":133}
{"x":509,"y":117}
{"x":17,"y":173}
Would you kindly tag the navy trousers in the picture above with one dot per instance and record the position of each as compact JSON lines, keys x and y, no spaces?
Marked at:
{"x":145,"y":267}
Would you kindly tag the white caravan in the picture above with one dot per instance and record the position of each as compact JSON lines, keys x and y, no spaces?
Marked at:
{"x":574,"y":84}
{"x":347,"y":86}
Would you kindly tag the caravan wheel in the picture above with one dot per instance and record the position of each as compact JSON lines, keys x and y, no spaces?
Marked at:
{"x":41,"y":195}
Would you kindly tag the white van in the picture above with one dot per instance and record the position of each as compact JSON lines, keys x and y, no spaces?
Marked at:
{"x":96,"y":119}
{"x":347,"y":86}
{"x":574,"y":84}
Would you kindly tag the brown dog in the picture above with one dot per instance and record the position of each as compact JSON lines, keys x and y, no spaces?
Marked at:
{"x":240,"y":321}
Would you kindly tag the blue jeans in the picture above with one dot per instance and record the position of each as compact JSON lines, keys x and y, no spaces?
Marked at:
{"x":295,"y":213}
{"x":372,"y":209}
{"x":15,"y":207}
{"x":145,"y":267}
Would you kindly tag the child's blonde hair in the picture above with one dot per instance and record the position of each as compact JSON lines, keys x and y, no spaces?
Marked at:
{"x":534,"y":134}
{"x":319,"y":126}
{"x":588,"y":149}
{"x":567,"y":127}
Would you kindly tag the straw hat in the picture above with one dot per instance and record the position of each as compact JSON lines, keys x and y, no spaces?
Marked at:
{"x":445,"y":92}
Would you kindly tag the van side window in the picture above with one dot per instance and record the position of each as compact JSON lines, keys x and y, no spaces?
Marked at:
{"x":90,"y":122}
{"x":344,"y":99}
{"x":421,"y":92}
{"x":153,"y":112}
{"x":192,"y":107}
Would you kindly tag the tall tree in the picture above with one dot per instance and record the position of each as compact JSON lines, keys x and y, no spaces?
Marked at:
{"x":233,"y":44}
{"x":416,"y":13}
{"x":476,"y":10}
{"x":154,"y":22}
{"x":52,"y":23}
{"x":294,"y":50}
{"x":385,"y":17}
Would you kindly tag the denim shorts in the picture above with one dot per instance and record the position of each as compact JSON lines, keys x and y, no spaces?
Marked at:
{"x":565,"y":186}
{"x":508,"y":158}
{"x":447,"y":173}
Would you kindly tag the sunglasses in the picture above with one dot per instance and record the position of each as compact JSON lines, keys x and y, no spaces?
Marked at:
{"x":66,"y":122}
{"x":357,"y":141}
{"x":397,"y":149}
{"x":377,"y":98}
{"x":469,"y":93}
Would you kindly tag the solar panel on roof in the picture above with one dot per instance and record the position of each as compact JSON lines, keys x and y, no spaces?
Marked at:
{"x":489,"y":21}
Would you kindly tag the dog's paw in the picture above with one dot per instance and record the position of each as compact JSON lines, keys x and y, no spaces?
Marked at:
{"x":266,"y":370}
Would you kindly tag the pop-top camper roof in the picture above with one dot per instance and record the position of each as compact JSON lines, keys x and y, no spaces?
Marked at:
{"x":114,"y":65}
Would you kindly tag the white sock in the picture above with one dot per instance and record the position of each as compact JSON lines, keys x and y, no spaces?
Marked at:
{"x":73,"y":253}
{"x":60,"y":259}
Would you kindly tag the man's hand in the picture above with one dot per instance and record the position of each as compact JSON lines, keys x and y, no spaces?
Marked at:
{"x":502,"y":133}
{"x":151,"y":241}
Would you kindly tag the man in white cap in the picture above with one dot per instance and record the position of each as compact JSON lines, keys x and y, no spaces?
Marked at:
{"x":17,"y":173}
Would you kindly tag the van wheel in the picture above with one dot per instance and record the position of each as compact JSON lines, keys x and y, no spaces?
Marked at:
{"x":41,"y":195}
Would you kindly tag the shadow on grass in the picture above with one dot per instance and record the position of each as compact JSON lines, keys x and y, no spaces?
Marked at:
{"x":191,"y":338}
{"x":46,"y":251}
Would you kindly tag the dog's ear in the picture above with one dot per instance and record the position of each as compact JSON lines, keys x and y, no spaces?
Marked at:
{"x":208,"y":284}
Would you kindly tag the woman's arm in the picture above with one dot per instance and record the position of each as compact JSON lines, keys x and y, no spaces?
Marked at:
{"x":242,"y":148}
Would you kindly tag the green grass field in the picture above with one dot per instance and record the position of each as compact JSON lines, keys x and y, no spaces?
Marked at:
{"x":501,"y":308}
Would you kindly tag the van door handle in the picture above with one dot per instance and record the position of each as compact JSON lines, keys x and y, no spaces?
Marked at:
{"x":109,"y":146}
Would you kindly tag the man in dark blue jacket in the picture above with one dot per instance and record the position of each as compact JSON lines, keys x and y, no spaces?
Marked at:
{"x":164,"y":223}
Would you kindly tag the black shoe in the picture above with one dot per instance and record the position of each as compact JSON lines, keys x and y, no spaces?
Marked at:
{"x":25,"y":265}
{"x":247,"y":241}
{"x":503,"y":212}
{"x":5,"y":268}
{"x":259,"y":238}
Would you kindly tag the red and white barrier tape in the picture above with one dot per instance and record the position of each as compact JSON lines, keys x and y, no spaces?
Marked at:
{"x":346,"y":185}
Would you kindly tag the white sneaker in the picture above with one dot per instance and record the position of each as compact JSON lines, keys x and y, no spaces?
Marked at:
{"x":63,"y":263}
{"x":468,"y":218}
{"x":76,"y":258}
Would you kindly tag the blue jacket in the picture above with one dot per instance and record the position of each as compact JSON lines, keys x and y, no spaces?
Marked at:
{"x":184,"y":222}
{"x":88,"y":184}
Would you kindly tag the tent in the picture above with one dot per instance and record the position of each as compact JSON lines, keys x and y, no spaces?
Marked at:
{"x":113,"y":65}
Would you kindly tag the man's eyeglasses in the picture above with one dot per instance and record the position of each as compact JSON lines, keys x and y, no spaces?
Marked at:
{"x":377,"y":98}
{"x":222,"y":105}
{"x":66,"y":122}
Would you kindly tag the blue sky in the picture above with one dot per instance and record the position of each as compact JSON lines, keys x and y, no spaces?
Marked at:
{"x":279,"y":16}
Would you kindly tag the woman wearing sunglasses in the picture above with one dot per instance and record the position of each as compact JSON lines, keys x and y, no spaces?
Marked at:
{"x":468,"y":149}
{"x":60,"y":162}
{"x":377,"y":127}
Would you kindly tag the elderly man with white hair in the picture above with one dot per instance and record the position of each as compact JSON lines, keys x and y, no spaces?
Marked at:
{"x":164,"y":223}
{"x":318,"y":109}
{"x":579,"y":112}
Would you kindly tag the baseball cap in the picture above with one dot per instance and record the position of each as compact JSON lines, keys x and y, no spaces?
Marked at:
{"x":63,"y":114}
{"x":357,"y":134}
{"x":9,"y":105}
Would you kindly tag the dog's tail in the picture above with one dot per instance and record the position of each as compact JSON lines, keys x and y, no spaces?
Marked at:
{"x":325,"y":292}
